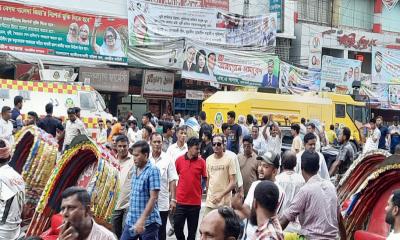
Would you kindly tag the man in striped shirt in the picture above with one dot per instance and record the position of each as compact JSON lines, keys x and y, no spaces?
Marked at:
{"x":316,"y":204}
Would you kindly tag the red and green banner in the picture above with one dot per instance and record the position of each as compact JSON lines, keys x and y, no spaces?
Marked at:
{"x":42,"y":30}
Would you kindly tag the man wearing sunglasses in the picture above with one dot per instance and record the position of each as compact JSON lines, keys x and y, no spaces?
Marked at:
{"x":221,"y":172}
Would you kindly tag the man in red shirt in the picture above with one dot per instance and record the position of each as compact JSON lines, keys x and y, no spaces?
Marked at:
{"x":190,"y":168}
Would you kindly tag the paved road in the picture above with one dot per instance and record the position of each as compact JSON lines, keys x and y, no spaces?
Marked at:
{"x":200,"y":218}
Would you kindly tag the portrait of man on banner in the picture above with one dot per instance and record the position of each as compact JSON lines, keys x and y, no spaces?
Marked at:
{"x":269,"y":79}
{"x":189,"y":64}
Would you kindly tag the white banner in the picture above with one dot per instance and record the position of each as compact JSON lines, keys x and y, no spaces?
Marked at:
{"x":150,"y":23}
{"x":296,"y":80}
{"x":158,"y":83}
{"x":341,"y":72}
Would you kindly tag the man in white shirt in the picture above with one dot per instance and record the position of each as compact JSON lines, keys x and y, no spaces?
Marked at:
{"x":309,"y":144}
{"x":6,"y":126}
{"x":174,"y":152}
{"x":134,"y":134}
{"x":393,"y":215}
{"x":12,"y":196}
{"x":372,"y":142}
{"x":73,"y":128}
{"x":311,"y":129}
{"x":259,"y":144}
{"x":291,"y":182}
{"x":125,"y":164}
{"x":273,"y":139}
{"x":78,"y":219}
{"x":101,"y":132}
{"x":267,"y":170}
{"x":179,"y":148}
{"x":168,"y":181}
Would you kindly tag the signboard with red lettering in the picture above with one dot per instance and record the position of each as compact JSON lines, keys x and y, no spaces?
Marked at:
{"x":355,"y":41}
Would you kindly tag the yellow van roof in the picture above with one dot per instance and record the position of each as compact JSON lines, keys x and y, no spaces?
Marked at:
{"x":236,"y":97}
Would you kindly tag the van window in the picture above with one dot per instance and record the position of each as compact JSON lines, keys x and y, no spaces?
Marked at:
{"x":25,"y":94}
{"x":349,"y":110}
{"x":86,"y":101}
{"x":4,"y":93}
{"x":340,"y":110}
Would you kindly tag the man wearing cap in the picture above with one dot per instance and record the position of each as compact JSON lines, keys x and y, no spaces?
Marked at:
{"x":12,"y":195}
{"x":267,"y":170}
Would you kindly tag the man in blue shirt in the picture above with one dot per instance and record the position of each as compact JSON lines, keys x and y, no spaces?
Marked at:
{"x":16,"y":113}
{"x":384,"y":132}
{"x":143,"y":219}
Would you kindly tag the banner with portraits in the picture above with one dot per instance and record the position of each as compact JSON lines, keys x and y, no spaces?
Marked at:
{"x":296,"y":80}
{"x":49,"y":31}
{"x":341,"y":72}
{"x":385,"y":65}
{"x":229,"y":66}
{"x":151,"y":23}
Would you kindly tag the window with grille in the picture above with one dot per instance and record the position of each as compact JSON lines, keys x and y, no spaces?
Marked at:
{"x":315,"y":11}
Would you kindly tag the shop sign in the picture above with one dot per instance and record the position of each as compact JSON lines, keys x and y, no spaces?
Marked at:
{"x":351,"y":41}
{"x":195,"y":95}
{"x":390,"y":4}
{"x":158,"y":83}
{"x":108,"y":80}
{"x":50,"y":31}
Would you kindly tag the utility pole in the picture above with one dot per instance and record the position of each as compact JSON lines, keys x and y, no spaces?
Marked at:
{"x":246,"y":6}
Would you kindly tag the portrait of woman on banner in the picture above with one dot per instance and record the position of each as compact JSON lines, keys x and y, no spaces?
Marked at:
{"x":139,"y":35}
{"x":84,"y":34}
{"x":112,"y":44}
{"x":201,"y":66}
{"x":72,"y":36}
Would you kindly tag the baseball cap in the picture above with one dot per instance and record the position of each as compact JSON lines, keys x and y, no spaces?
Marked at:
{"x":270,"y":158}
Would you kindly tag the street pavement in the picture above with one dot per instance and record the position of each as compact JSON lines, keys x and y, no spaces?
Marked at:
{"x":203,"y":206}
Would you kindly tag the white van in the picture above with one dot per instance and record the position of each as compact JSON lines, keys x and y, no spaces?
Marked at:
{"x":63,"y":96}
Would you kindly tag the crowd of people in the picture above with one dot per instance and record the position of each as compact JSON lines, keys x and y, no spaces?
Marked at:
{"x":250,"y":189}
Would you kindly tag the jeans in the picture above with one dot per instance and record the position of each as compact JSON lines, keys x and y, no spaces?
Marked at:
{"x":150,"y":233}
{"x":162,"y":232}
{"x":189,"y":213}
{"x":118,"y":221}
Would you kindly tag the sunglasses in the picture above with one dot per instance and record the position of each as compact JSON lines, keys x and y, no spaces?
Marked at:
{"x":219,"y":144}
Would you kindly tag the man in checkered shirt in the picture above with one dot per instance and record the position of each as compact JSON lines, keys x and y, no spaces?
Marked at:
{"x":143,"y":219}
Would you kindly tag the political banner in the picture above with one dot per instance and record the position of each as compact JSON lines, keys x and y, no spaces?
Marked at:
{"x":49,"y":31}
{"x":230,"y":66}
{"x":378,"y":93}
{"x":385,"y":65}
{"x":217,"y":4}
{"x":341,"y":72}
{"x":394,"y":96}
{"x":150,"y":23}
{"x":296,"y":80}
{"x":167,"y":55}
